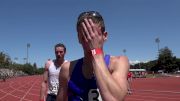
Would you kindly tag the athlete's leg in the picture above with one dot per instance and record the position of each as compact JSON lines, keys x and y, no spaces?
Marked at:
{"x":129,"y":86}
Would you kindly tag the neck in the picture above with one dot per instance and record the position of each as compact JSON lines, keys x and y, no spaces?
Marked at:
{"x":87,"y":65}
{"x":59,"y":62}
{"x":87,"y":68}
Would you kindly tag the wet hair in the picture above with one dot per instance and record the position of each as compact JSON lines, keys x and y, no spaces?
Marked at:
{"x":94,"y":15}
{"x":60,"y":45}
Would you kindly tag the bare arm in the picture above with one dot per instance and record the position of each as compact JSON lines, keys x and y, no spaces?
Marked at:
{"x":44,"y":82}
{"x":112,"y":86}
{"x":63,"y":83}
{"x":43,"y":86}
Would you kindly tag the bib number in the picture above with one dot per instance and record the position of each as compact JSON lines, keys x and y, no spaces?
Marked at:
{"x":93,"y":95}
{"x":54,"y":87}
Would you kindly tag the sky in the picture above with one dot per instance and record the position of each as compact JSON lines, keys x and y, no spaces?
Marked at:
{"x":132,"y":25}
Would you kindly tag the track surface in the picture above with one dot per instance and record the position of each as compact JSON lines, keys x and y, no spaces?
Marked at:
{"x":20,"y":89}
{"x":155,"y":89}
{"x":144,"y":89}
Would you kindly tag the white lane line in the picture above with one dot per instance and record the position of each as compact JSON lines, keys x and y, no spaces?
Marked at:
{"x":176,"y":92}
{"x":28,"y":90}
{"x":9,"y":93}
{"x":154,"y":97}
{"x":138,"y":99}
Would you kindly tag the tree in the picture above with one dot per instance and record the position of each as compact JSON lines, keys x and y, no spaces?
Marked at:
{"x":29,"y":69}
{"x":166,"y":60}
{"x":40,"y":70}
{"x":34,"y":65}
{"x":178,"y":63}
{"x":5,"y":60}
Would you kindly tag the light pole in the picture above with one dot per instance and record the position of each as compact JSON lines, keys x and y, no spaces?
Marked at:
{"x":27,"y":59}
{"x":124,"y":51}
{"x":157,"y":40}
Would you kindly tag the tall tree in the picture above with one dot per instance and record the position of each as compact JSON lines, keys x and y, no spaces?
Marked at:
{"x":166,"y":60}
{"x":5,"y":60}
{"x":35,"y":65}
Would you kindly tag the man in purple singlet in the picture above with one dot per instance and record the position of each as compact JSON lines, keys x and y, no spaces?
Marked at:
{"x":96,"y":76}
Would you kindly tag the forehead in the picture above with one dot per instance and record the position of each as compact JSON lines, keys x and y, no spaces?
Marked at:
{"x":59,"y":49}
{"x":80,"y":27}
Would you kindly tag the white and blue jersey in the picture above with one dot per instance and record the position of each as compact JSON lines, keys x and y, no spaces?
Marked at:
{"x":82,"y":89}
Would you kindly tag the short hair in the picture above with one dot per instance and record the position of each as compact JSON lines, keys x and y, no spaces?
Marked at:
{"x":60,"y":45}
{"x":95,"y":16}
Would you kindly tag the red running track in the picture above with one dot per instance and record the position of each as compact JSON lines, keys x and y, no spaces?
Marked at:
{"x":155,"y":89}
{"x":144,"y":89}
{"x":20,"y":89}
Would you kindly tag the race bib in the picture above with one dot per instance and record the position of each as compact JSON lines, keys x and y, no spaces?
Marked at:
{"x":54,"y":87}
{"x":94,"y":95}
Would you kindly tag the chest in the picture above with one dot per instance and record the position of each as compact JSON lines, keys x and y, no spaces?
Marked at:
{"x":53,"y":70}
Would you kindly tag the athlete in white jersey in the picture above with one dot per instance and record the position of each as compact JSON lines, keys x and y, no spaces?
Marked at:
{"x":50,"y":84}
{"x":53,"y":78}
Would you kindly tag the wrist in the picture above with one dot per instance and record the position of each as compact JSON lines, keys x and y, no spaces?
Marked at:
{"x":96,"y":51}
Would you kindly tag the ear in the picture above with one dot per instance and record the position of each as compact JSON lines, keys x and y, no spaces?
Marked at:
{"x":78,"y":37}
{"x":105,"y":36}
{"x":78,"y":34}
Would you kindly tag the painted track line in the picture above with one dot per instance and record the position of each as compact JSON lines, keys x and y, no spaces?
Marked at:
{"x":28,"y":91}
{"x":174,"y":92}
{"x":156,"y":97}
{"x":17,"y":87}
{"x":9,"y":93}
{"x":153,"y":95}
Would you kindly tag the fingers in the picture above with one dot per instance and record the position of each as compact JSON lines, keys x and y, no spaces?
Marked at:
{"x":83,"y":35}
{"x":90,"y":26}
{"x":94,"y":28}
{"x":90,"y":31}
{"x":86,"y":31}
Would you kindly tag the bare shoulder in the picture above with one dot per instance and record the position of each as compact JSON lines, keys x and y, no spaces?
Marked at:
{"x":47,"y":64}
{"x":67,"y":67}
{"x":119,"y":60}
{"x":119,"y":64}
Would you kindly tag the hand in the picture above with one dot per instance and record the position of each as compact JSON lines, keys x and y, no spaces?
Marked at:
{"x":92,"y":34}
